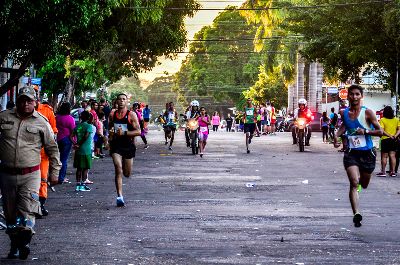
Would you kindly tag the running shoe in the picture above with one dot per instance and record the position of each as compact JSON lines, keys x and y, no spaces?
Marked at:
{"x":248,"y":151}
{"x":357,"y":219}
{"x":78,"y":187}
{"x":170,"y":148}
{"x":120,"y":202}
{"x":381,"y":174}
{"x":359,"y":188}
{"x":201,"y":154}
{"x":392,"y":174}
{"x":146,"y":146}
{"x":83,"y":187}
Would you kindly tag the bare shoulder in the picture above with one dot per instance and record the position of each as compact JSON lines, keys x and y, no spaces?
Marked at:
{"x":370,"y":113}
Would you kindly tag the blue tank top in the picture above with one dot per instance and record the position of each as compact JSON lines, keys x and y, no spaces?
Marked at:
{"x":357,"y":142}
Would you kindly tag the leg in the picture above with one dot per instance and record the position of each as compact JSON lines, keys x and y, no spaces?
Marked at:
{"x":247,"y":141}
{"x":294,"y":135}
{"x":384,"y":157}
{"x":127,"y":165}
{"x":172,"y":138}
{"x":117,"y":160}
{"x":392,"y":160}
{"x":64,"y":146}
{"x":353,"y":174}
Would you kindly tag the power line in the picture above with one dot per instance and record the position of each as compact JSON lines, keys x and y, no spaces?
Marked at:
{"x":261,"y":9}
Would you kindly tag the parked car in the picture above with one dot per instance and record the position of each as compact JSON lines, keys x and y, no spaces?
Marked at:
{"x":75,"y":114}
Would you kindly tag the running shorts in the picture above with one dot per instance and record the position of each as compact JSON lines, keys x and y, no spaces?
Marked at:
{"x":364,"y":159}
{"x":388,"y":145}
{"x":126,"y":151}
{"x":249,"y":127}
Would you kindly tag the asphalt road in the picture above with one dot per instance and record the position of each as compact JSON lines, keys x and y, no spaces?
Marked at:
{"x":272,"y":206}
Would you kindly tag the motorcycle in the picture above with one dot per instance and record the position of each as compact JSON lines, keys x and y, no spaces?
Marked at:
{"x":301,"y":129}
{"x":192,"y":125}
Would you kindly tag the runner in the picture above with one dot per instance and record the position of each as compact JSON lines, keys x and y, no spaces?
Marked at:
{"x":204,"y":121}
{"x":192,"y":113}
{"x":170,"y":118}
{"x":360,"y":157}
{"x":249,"y":118}
{"x":123,"y":126}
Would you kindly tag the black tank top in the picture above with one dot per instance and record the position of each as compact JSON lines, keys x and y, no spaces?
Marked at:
{"x":125,"y":125}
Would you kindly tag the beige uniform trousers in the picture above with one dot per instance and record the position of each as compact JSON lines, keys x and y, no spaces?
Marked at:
{"x":20,"y":197}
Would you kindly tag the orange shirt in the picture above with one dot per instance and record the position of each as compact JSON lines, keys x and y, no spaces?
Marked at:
{"x":48,"y":112}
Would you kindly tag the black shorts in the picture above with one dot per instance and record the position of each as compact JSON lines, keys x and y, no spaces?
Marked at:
{"x":364,"y":159}
{"x":249,"y":127}
{"x":127,"y":151}
{"x":146,"y":119}
{"x":388,"y":145}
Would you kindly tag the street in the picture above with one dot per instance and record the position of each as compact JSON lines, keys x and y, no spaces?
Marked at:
{"x":272,"y":206}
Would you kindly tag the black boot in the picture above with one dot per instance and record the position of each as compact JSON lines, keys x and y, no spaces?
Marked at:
{"x":42,"y":201}
{"x":13,"y":254}
{"x":24,"y":239}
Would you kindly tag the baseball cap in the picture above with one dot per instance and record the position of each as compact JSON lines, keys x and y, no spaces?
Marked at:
{"x":28,"y":91}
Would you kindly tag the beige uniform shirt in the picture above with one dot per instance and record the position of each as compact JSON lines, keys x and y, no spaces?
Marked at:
{"x":22,"y":139}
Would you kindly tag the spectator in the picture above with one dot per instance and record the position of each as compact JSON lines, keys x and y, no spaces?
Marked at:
{"x":391,"y":130}
{"x":83,"y":150}
{"x":146,"y":116}
{"x":65,"y":124}
{"x":333,"y":123}
{"x":229,"y":122}
{"x":324,"y":126}
{"x":215,"y":121}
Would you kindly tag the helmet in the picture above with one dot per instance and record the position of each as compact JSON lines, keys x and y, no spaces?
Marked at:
{"x":194,"y":103}
{"x":303,"y":101}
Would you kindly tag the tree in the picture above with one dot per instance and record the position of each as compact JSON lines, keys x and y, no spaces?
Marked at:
{"x":350,"y":38}
{"x":123,"y":37}
{"x":129,"y":86}
{"x":221,"y":62}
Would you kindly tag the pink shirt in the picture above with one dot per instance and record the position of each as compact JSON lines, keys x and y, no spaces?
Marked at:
{"x":203,"y":126}
{"x":65,"y":125}
{"x":215,"y":120}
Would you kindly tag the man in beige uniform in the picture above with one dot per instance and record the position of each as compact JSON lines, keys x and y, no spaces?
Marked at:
{"x":23,"y":132}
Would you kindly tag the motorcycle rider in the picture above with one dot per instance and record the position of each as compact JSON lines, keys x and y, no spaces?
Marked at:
{"x":192,"y":113}
{"x":302,"y":112}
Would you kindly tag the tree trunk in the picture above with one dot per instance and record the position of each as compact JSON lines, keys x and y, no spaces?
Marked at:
{"x":69,"y":90}
{"x":14,"y":77}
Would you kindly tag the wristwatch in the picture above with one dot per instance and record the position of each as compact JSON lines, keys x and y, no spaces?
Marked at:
{"x":366,"y":131}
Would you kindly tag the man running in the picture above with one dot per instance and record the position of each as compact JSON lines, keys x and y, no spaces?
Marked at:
{"x":250,"y":119}
{"x":359,"y":159}
{"x":123,"y":126}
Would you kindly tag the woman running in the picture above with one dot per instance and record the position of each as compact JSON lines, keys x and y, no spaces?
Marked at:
{"x":204,"y":121}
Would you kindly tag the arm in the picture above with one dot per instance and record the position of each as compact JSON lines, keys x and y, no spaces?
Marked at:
{"x":339,"y":133}
{"x":398,"y":130}
{"x":370,"y":116}
{"x":51,"y":149}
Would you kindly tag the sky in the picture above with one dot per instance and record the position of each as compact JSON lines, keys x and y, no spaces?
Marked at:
{"x":200,"y":19}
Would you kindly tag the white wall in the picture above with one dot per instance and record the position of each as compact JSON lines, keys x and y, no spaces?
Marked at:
{"x":373,"y":100}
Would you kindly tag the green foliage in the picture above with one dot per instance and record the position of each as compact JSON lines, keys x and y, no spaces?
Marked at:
{"x":345,"y":38}
{"x":223,"y":68}
{"x":129,"y":86}
{"x":269,"y":87}
{"x":102,"y":39}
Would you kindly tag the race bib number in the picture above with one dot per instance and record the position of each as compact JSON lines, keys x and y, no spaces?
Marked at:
{"x":171,"y":116}
{"x":123,"y":127}
{"x":357,"y":141}
{"x":203,"y":129}
{"x":249,"y":112}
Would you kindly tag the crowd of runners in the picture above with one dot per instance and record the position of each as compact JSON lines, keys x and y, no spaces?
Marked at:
{"x":114,"y":126}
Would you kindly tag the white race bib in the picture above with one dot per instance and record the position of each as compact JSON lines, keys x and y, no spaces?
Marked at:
{"x":203,"y":129}
{"x":171,"y":116}
{"x":357,"y":141}
{"x":124,"y":127}
{"x":250,"y":112}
